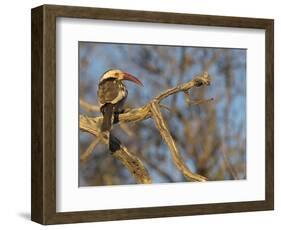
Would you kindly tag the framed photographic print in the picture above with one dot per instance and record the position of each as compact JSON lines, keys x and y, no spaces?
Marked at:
{"x":140,"y":114}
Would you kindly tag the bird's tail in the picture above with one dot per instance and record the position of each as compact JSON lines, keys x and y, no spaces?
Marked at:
{"x":107,"y":112}
{"x":114,"y":143}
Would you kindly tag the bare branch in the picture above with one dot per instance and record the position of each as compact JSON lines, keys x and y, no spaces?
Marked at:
{"x":196,"y":102}
{"x":88,"y":107}
{"x":164,"y":131}
{"x":128,"y":159}
{"x":90,"y":149}
{"x":133,"y":164}
{"x":203,"y":79}
{"x":126,"y":129}
{"x":157,"y":168}
{"x":150,"y":110}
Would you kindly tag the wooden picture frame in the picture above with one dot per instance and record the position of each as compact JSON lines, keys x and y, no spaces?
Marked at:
{"x":43,"y":205}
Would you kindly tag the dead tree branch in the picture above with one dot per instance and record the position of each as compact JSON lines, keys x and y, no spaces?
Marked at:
{"x":129,"y":160}
{"x":89,"y":150}
{"x":88,"y":107}
{"x":150,"y":110}
{"x":165,"y":133}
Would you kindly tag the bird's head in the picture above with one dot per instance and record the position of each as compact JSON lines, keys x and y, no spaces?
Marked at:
{"x":120,"y":75}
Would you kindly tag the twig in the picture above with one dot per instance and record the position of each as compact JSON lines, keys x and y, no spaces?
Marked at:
{"x":227,"y":163}
{"x":200,"y":80}
{"x":166,"y":107}
{"x":88,"y":107}
{"x":90,"y":149}
{"x":157,"y":168}
{"x":126,"y":129}
{"x":196,"y":102}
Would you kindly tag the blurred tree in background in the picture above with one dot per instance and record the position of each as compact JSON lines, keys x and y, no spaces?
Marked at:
{"x":211,"y":136}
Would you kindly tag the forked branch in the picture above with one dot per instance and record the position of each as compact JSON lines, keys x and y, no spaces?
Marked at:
{"x":150,"y":110}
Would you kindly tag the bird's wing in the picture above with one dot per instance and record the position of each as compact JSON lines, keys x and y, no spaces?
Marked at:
{"x":109,"y":92}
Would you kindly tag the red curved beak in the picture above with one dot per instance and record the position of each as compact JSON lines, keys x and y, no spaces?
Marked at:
{"x":129,"y":77}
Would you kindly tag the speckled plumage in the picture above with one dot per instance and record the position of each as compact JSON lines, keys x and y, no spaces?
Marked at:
{"x":112,"y":91}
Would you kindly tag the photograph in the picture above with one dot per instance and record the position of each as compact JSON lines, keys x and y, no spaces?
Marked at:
{"x":145,"y":114}
{"x":153,"y":113}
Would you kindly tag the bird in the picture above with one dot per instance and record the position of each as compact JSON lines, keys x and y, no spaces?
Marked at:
{"x":112,"y":94}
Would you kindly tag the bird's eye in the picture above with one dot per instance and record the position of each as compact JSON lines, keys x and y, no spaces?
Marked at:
{"x":116,"y":74}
